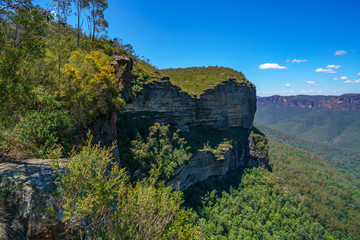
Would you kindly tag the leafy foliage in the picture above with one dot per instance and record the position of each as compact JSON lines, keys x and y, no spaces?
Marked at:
{"x":219,"y":150}
{"x":260,"y":208}
{"x":90,"y":86}
{"x":331,"y":196}
{"x":93,"y":189}
{"x":22,"y":44}
{"x":96,"y":19}
{"x":163,"y":153}
{"x":63,"y":82}
{"x":87,"y":186}
{"x":303,"y":198}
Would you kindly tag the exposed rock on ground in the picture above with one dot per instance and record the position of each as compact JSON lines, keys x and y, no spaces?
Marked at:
{"x":25,"y":195}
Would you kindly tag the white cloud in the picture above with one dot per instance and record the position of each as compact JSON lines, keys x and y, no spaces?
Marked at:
{"x":325,"y":70}
{"x":271,"y":66}
{"x":311,"y":82}
{"x":333,"y":66}
{"x":343,"y":78}
{"x":288,"y":84}
{"x":340,"y":52}
{"x":359,"y":74}
{"x":335,"y":79}
{"x":299,"y":60}
{"x":353,"y":81}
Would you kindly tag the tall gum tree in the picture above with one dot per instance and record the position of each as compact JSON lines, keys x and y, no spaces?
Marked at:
{"x":96,"y":20}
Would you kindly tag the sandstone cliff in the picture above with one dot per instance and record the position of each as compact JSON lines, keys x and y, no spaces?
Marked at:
{"x":206,"y":163}
{"x":229,"y":104}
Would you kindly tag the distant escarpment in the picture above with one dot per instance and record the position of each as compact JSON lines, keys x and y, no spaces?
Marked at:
{"x":344,"y":102}
{"x":229,"y":104}
{"x":329,"y":119}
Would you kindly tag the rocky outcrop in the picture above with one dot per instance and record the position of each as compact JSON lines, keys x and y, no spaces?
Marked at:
{"x":229,"y":104}
{"x":346,"y":102}
{"x":125,"y":78}
{"x":25,"y":196}
{"x":206,"y":163}
{"x":104,"y":132}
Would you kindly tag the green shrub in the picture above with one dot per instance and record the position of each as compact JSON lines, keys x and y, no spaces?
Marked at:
{"x":164,"y":152}
{"x":220,"y":150}
{"x":37,"y":133}
{"x":43,"y":130}
{"x":95,"y":191}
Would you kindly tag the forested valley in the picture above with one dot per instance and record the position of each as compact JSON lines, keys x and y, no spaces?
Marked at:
{"x":57,"y":80}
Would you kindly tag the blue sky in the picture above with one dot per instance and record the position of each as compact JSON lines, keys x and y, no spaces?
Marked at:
{"x":260,"y":38}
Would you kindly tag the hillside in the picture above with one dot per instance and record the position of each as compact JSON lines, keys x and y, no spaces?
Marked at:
{"x":333,"y":120}
{"x":333,"y":155}
{"x":196,"y":80}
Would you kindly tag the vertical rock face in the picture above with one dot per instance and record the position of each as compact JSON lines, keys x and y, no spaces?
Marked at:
{"x":205,"y":164}
{"x":163,"y":97}
{"x":125,"y":77}
{"x":229,"y":104}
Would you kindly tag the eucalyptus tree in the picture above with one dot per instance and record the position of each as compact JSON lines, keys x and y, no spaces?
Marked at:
{"x":63,"y":12}
{"x":80,"y":7}
{"x":96,"y":19}
{"x":14,"y":4}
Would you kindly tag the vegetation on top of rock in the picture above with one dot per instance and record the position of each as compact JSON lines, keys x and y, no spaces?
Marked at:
{"x":220,"y":150}
{"x":195,"y":80}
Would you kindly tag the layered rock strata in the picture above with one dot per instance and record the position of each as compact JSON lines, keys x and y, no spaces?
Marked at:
{"x":205,"y":163}
{"x":229,"y":104}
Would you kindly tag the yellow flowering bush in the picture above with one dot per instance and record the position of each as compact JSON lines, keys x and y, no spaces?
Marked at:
{"x":89,"y":85}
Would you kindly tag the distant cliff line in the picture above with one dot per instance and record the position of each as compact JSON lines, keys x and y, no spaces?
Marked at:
{"x":345,"y":102}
